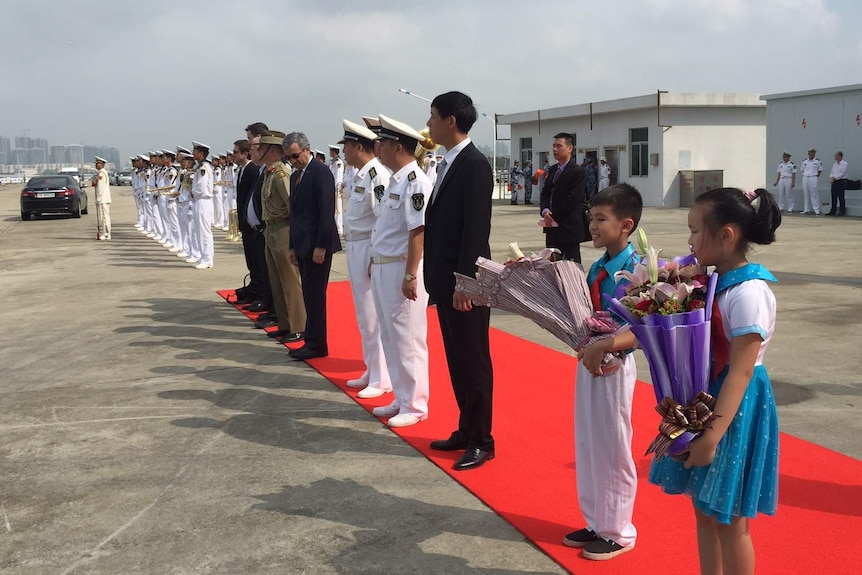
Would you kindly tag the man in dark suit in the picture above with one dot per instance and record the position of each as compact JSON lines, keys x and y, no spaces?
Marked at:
{"x":313,"y":238}
{"x":562,"y":200}
{"x":252,"y":248}
{"x":457,"y":228}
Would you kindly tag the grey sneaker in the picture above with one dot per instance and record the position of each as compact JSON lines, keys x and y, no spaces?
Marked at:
{"x":603,"y":549}
{"x":580,"y":538}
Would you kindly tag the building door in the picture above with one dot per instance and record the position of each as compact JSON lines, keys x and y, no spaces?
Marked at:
{"x":592,"y":154}
{"x":612,"y":155}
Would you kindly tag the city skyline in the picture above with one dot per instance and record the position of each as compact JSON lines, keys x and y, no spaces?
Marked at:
{"x":19,"y":152}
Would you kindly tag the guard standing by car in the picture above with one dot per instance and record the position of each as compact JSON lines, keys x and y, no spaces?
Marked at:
{"x":102,"y":186}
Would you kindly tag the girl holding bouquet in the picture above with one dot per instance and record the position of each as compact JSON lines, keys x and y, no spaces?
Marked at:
{"x":731,"y":471}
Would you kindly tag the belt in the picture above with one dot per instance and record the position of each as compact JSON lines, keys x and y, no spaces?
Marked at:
{"x":786,"y":177}
{"x":357,"y":237}
{"x":382,"y":260}
{"x":810,"y":176}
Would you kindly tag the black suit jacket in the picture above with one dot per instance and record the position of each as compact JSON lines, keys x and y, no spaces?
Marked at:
{"x":244,"y":187}
{"x":312,"y":211}
{"x":458,"y":223}
{"x":565,"y":199}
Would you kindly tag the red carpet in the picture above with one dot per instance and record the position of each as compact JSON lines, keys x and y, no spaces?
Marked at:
{"x":531,"y":483}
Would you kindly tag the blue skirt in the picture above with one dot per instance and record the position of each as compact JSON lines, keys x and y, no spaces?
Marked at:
{"x":742,"y":480}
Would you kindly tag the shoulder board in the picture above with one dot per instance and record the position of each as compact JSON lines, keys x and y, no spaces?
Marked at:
{"x":411,"y":176}
{"x":372,"y":172}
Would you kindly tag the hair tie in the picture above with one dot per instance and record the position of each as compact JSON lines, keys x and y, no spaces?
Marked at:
{"x":753,"y":199}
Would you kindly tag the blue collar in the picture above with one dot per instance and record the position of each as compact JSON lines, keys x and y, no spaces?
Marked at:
{"x":743,"y":274}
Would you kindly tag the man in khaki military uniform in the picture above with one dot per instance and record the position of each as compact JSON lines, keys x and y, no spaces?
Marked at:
{"x":283,"y":275}
{"x":103,"y":199}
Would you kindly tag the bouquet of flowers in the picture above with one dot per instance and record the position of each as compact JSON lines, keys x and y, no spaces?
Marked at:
{"x":553,"y":294}
{"x":668,"y":305}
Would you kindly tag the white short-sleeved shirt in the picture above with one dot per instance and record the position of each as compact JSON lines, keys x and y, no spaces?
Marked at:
{"x":402,"y":209}
{"x":748,"y":307}
{"x":367,"y":190}
{"x":811,"y":167}
{"x":202,"y":181}
{"x":786,"y":169}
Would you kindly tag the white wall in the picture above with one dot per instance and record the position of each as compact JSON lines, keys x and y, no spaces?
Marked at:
{"x":830,"y":125}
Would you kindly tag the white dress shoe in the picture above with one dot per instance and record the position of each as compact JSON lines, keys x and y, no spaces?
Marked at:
{"x":404,"y":420}
{"x":151,"y":235}
{"x":361,"y":382}
{"x":169,"y":245}
{"x":371,"y":391}
{"x":183,"y":255}
{"x":107,"y":237}
{"x":174,"y":250}
{"x":192,"y":260}
{"x":203,"y":266}
{"x":385,"y":410}
{"x":138,"y":227}
{"x":163,"y":241}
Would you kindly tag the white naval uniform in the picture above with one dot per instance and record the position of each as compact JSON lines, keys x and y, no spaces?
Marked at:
{"x":403,"y":322}
{"x":218,"y":197}
{"x":431,"y":170}
{"x":103,"y":204}
{"x":336,"y":166}
{"x":366,"y":188}
{"x":604,"y":176}
{"x":229,"y":191}
{"x":152,"y":210}
{"x":136,"y":193}
{"x":810,"y":192}
{"x":785,"y":185}
{"x":202,"y":192}
{"x":172,"y":222}
{"x":162,"y":206}
{"x":183,"y":214}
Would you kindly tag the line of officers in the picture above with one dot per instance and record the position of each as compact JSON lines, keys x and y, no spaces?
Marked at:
{"x":289,"y":218}
{"x":179,"y":204}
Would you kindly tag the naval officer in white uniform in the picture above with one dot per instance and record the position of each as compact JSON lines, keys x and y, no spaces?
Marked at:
{"x":811,"y":170}
{"x":785,"y":179}
{"x":202,"y":221}
{"x":103,"y":199}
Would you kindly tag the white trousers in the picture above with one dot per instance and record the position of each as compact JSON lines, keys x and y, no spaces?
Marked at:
{"x":103,"y":216}
{"x":218,"y":207}
{"x":184,"y":220}
{"x":233,"y":198}
{"x":403,"y":331}
{"x":604,"y":183}
{"x":339,"y":216}
{"x":173,"y":223}
{"x":811,"y":194}
{"x":785,"y":194}
{"x":607,"y":478}
{"x":358,"y":256}
{"x":139,"y":205}
{"x":226,"y":206}
{"x":162,"y":219}
{"x":203,"y":221}
{"x":149,"y":218}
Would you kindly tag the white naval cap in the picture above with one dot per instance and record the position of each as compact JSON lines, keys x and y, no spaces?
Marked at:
{"x":355,"y":132}
{"x":372,"y":123}
{"x":152,"y":153}
{"x":603,"y":159}
{"x":394,"y":130}
{"x":100,"y":160}
{"x":228,"y":153}
{"x":334,"y":147}
{"x":786,"y":154}
{"x":183,"y":150}
{"x":200,"y":146}
{"x":319,"y":152}
{"x":144,"y":157}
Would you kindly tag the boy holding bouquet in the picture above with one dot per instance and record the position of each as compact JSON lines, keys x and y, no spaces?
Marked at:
{"x":606,"y":474}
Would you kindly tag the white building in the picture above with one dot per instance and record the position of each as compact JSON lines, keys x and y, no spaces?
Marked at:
{"x":649,"y":140}
{"x":829,"y":120}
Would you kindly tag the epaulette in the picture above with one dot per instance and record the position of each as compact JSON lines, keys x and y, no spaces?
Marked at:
{"x":372,"y":172}
{"x":411,"y":176}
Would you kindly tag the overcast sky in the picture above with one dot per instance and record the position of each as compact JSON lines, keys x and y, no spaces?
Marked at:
{"x":141,"y":75}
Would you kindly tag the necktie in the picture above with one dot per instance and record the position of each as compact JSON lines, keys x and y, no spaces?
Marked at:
{"x":720,"y":349}
{"x":596,"y":289}
{"x":557,"y":173}
{"x":441,"y":172}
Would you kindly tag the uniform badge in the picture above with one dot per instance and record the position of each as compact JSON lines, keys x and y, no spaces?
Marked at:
{"x":203,"y":171}
{"x":359,"y":190}
{"x":372,"y":172}
{"x":395,"y":197}
{"x":411,"y":176}
{"x":378,"y":191}
{"x":418,"y":201}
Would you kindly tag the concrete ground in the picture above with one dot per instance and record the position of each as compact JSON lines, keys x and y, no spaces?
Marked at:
{"x":145,"y":427}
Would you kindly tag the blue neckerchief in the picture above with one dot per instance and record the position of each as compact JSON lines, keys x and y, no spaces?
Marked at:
{"x":743,"y":274}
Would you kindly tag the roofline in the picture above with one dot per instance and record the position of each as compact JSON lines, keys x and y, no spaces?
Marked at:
{"x":648,"y":101}
{"x":817,"y":92}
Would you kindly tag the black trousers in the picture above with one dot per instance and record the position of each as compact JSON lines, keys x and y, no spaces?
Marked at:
{"x":838,"y":188}
{"x":254,"y":249}
{"x":570,"y":251}
{"x":468,"y":353}
{"x":315,"y":280}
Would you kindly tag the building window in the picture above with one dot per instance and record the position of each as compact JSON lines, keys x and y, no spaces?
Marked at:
{"x":526,"y":151}
{"x":639,"y":145}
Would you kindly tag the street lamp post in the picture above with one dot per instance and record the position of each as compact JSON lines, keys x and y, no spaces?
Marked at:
{"x":493,"y":121}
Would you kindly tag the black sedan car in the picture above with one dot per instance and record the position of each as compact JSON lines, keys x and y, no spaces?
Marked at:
{"x":52,"y":195}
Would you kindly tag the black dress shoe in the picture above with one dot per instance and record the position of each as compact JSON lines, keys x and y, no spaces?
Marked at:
{"x":246,"y":299}
{"x":305,"y":353}
{"x":289,"y":337}
{"x":241,"y":292}
{"x":278,"y":333}
{"x":265,"y":322}
{"x":473,"y":458}
{"x":454,"y":443}
{"x":257,"y":306}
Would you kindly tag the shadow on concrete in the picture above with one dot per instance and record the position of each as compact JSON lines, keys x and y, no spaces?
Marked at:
{"x":278,"y":421}
{"x":388,"y":530}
